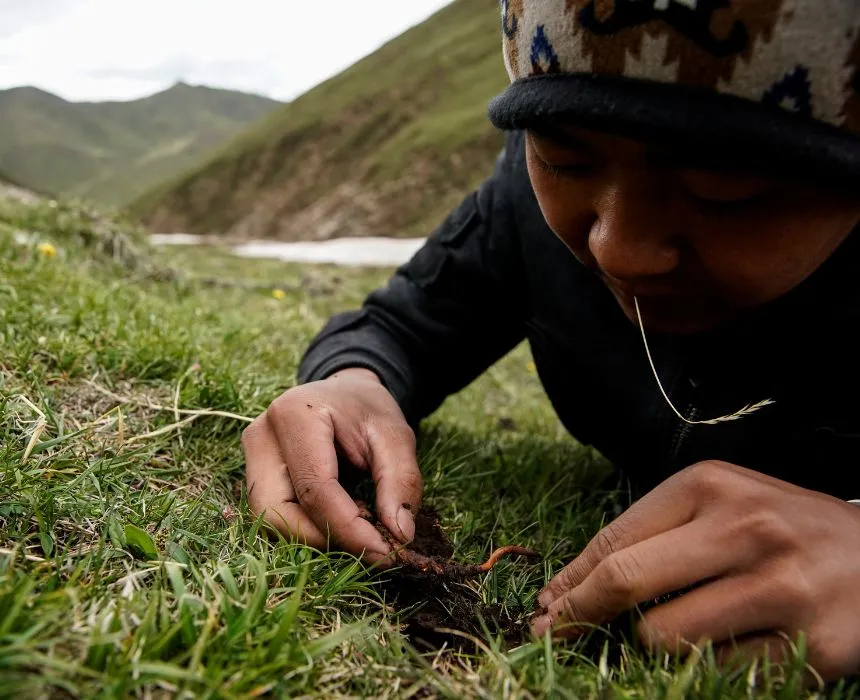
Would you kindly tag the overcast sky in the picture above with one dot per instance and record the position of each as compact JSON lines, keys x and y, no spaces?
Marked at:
{"x":123,"y":49}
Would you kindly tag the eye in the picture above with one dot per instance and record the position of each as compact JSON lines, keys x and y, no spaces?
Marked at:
{"x":560,"y":160}
{"x":724,"y":188}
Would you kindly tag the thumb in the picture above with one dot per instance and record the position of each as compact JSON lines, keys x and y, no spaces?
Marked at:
{"x":394,"y":467}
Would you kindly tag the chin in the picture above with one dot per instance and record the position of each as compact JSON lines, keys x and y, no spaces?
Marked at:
{"x":675,"y":326}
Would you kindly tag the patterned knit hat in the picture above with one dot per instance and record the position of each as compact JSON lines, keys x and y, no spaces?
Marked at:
{"x":772,"y":82}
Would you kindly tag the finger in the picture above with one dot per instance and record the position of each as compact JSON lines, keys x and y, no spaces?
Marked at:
{"x":720,"y":611}
{"x":270,"y":491}
{"x":306,"y":439}
{"x":294,"y":524}
{"x":669,"y":562}
{"x":661,"y":510}
{"x":769,"y":649}
{"x":394,"y":467}
{"x":734,"y":654}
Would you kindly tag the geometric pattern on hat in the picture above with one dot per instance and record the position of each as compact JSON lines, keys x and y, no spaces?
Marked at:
{"x":801,"y":56}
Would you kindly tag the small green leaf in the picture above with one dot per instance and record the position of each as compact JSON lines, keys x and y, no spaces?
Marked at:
{"x":174,"y":573}
{"x":47,"y":542}
{"x":140,"y":541}
{"x":117,"y":537}
{"x":177,"y":553}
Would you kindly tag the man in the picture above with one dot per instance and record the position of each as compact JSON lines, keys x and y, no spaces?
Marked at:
{"x":690,"y":166}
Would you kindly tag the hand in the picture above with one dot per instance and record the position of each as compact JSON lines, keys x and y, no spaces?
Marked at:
{"x":292,"y":470}
{"x":769,"y":559}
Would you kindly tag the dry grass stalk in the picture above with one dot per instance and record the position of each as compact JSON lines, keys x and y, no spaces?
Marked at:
{"x":745,"y":411}
{"x":176,"y":415}
{"x":192,"y":413}
{"x":39,"y":428}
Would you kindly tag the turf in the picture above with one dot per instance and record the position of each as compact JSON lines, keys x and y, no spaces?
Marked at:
{"x":129,"y":563}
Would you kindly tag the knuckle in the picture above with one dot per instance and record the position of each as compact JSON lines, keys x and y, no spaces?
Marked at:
{"x":248,"y":434}
{"x":768,"y":529}
{"x":709,"y":476}
{"x":607,"y":542}
{"x":392,"y":430}
{"x":567,"y":578}
{"x":294,"y":406}
{"x":412,"y":480}
{"x":252,"y":430}
{"x":282,"y":408}
{"x":795,"y":590}
{"x":407,"y":434}
{"x":616,"y":577}
{"x":569,"y":611}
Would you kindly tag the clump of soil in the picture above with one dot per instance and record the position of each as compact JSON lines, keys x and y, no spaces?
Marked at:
{"x":429,"y":592}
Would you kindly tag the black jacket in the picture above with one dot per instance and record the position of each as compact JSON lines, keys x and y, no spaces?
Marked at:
{"x":494,"y":274}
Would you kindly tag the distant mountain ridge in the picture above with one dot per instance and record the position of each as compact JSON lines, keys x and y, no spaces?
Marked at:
{"x":112,"y":152}
{"x":6,"y":179}
{"x":386,"y":148}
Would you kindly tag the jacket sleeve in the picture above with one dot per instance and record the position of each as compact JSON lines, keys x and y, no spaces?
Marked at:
{"x":448,"y":314}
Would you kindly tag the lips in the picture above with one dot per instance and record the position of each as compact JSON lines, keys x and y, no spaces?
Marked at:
{"x":663,"y":310}
{"x":653,"y":290}
{"x":650,"y":296}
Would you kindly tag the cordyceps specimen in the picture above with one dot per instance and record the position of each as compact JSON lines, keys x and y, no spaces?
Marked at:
{"x":419,"y":564}
{"x":444,"y":568}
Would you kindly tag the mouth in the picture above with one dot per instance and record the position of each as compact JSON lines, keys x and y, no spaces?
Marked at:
{"x":652,"y":296}
{"x":665,"y":309}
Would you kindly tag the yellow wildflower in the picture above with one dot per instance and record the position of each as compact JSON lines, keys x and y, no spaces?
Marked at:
{"x":531,"y":367}
{"x":47,"y":250}
{"x":279,"y":294}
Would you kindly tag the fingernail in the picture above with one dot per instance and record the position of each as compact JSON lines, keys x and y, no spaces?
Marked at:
{"x":406,"y":523}
{"x":541,"y":625}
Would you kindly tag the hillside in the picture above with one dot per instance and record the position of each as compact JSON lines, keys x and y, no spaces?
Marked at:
{"x":112,"y":152}
{"x":385,"y":148}
{"x":12,"y":189}
{"x":6,"y":179}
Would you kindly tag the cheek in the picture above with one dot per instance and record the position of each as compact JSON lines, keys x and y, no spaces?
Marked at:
{"x":755,"y":258}
{"x":566,"y":206}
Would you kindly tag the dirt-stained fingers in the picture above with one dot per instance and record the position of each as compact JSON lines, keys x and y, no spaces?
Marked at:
{"x":305,"y":432}
{"x":270,"y":491}
{"x":399,"y":486}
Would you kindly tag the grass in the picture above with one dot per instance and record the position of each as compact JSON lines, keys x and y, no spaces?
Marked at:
{"x":385,"y":148}
{"x":129,"y":563}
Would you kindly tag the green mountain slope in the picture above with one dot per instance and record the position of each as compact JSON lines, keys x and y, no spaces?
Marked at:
{"x":112,"y":152}
{"x":385,"y":148}
{"x":6,"y":179}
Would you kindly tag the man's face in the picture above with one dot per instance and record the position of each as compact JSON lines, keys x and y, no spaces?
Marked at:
{"x":697,"y":248}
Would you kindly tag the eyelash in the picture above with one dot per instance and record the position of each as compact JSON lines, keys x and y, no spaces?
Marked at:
{"x":559,"y":171}
{"x":576,"y":171}
{"x":728,"y":206}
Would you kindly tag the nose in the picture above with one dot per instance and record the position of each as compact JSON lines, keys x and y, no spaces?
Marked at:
{"x":635,"y":234}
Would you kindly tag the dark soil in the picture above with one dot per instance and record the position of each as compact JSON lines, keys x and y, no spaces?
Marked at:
{"x":432,"y":602}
